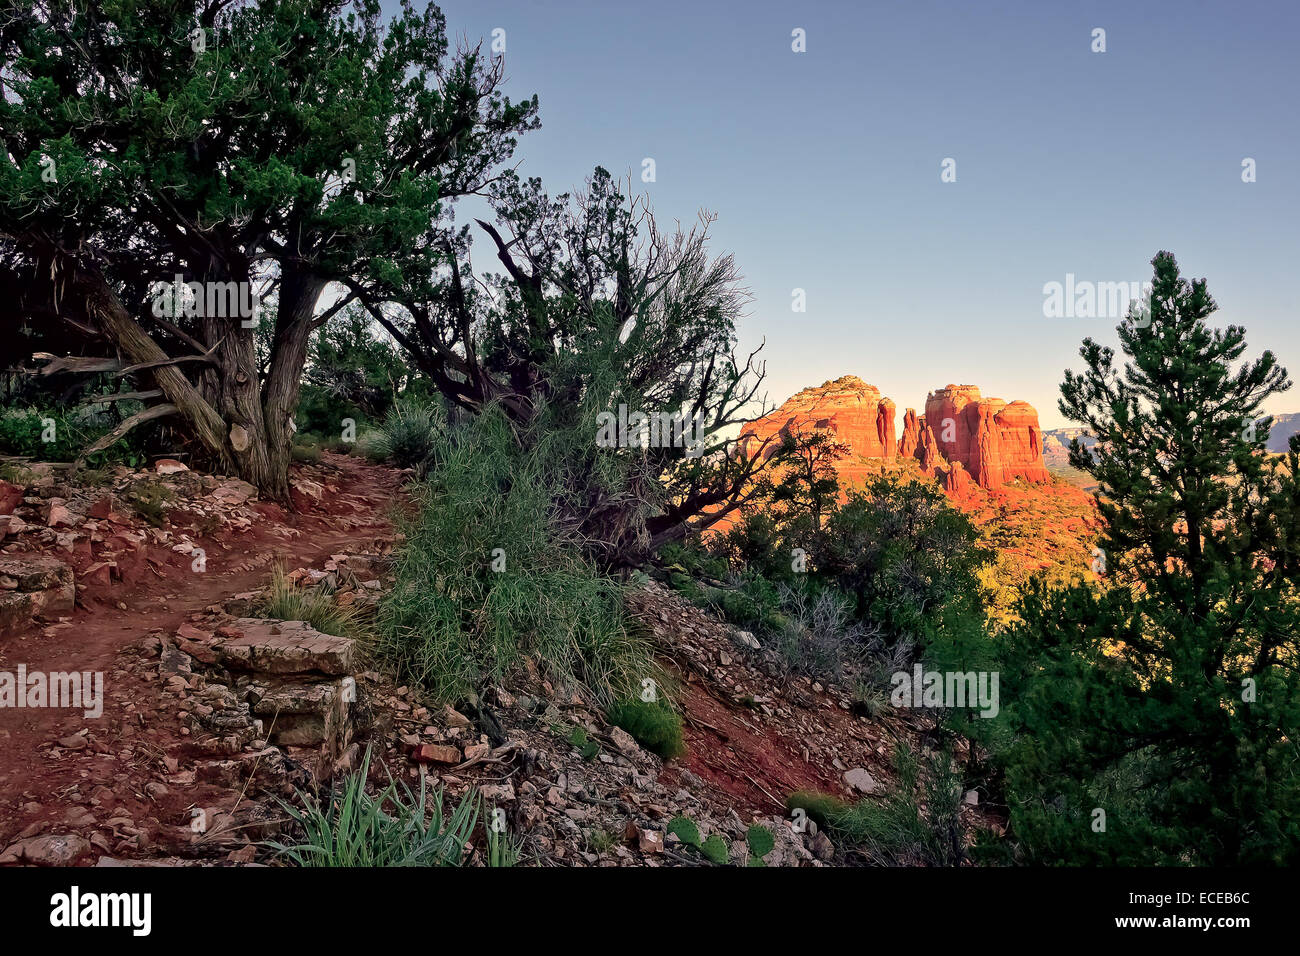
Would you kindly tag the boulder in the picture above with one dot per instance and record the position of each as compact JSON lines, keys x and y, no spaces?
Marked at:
{"x":11,"y":496}
{"x":32,"y":584}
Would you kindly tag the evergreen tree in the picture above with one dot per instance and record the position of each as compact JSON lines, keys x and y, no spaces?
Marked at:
{"x":1167,"y":700}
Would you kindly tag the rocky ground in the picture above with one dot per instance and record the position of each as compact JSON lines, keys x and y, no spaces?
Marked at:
{"x":213,"y":714}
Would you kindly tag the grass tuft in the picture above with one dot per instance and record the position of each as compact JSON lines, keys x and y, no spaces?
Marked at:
{"x":396,"y":827}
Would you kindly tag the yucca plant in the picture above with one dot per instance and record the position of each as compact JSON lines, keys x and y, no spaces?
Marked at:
{"x":397,"y":827}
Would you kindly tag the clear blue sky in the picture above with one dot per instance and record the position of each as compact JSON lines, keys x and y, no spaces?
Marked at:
{"x":823,"y":166}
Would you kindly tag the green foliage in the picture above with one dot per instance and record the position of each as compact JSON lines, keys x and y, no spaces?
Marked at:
{"x":503,"y":849}
{"x":488,"y":576}
{"x":335,"y":124}
{"x":306,"y":450}
{"x":149,"y":499}
{"x":758,"y":839}
{"x":906,"y":557}
{"x":410,"y":433}
{"x":685,"y":830}
{"x":653,"y":724}
{"x":584,"y":744}
{"x":317,"y":606}
{"x":353,"y":371}
{"x":396,"y":827}
{"x":917,"y":824}
{"x":600,"y":841}
{"x":761,"y":842}
{"x":1168,"y":701}
{"x":820,"y":807}
{"x":23,"y":432}
{"x":715,"y":850}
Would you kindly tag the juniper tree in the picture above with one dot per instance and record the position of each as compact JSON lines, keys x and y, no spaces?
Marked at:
{"x":301,"y":145}
{"x":1167,"y":700}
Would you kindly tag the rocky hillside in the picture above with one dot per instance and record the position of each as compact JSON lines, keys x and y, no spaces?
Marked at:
{"x":214,"y":711}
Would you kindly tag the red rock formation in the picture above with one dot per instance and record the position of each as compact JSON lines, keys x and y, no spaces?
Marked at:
{"x":911,"y":435}
{"x":963,"y":438}
{"x":995,"y":441}
{"x":927,"y":448}
{"x":956,"y":479}
{"x":848,"y":409}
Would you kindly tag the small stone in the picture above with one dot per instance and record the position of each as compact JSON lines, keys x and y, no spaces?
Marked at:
{"x":624,"y":741}
{"x":861,"y":781}
{"x":436,"y":753}
{"x":454,"y":718}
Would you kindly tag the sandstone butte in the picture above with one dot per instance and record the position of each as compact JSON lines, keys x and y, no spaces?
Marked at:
{"x":962,"y":438}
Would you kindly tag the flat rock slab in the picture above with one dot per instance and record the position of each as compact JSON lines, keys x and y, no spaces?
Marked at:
{"x":33,"y":572}
{"x":286,"y":647}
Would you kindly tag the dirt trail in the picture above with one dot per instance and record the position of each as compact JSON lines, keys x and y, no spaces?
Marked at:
{"x":351,"y":519}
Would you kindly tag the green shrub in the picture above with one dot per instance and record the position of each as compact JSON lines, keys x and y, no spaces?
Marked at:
{"x":587,"y":747}
{"x":306,"y":449}
{"x":488,"y":578}
{"x":410,"y":433}
{"x":911,"y":826}
{"x":820,"y":807}
{"x":317,"y":606}
{"x":397,"y":827}
{"x":149,"y":499}
{"x":23,"y":432}
{"x":653,"y":724}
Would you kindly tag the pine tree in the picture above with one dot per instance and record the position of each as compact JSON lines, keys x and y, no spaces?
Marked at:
{"x":1168,"y":699}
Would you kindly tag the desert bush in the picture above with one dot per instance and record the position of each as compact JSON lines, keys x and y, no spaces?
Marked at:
{"x":906,"y":557}
{"x":149,"y":499}
{"x":819,"y":636}
{"x":409,"y":433}
{"x":306,"y":449}
{"x":918,"y":823}
{"x":653,"y":724}
{"x":396,"y":827}
{"x":488,"y":576}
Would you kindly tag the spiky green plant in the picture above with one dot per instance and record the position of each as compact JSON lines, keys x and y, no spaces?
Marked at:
{"x":396,"y":827}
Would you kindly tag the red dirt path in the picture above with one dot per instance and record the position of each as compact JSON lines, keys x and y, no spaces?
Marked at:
{"x":31,"y":772}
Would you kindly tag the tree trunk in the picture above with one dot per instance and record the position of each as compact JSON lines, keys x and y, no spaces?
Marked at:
{"x":133,"y":342}
{"x":244,"y":427}
{"x":299,"y":293}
